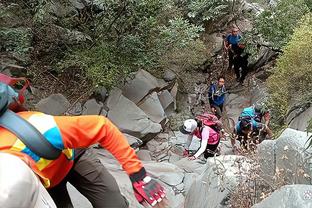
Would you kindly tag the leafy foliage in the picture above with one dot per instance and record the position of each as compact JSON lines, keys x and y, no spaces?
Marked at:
{"x":135,"y":35}
{"x":276,"y":24}
{"x":292,"y":78}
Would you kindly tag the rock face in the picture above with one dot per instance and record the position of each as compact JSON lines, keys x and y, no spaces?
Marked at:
{"x":289,"y":196}
{"x":153,"y":108}
{"x":167,"y":101}
{"x":143,"y":83}
{"x":212,"y":186}
{"x":55,"y":104}
{"x":128,"y":117}
{"x":287,"y":157}
{"x":300,"y":122}
{"x":91,"y":107}
{"x":234,"y":105}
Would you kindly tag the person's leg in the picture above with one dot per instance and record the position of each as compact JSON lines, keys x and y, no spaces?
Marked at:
{"x":211,"y":150}
{"x":231,"y":55}
{"x":244,"y":65}
{"x":60,"y":195}
{"x":92,"y":180}
{"x":236,"y":63}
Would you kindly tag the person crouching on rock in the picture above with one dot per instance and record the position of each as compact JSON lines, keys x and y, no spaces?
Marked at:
{"x":209,"y":136}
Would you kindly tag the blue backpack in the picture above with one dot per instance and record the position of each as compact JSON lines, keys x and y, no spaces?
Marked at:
{"x":247,"y":114}
{"x":24,"y":130}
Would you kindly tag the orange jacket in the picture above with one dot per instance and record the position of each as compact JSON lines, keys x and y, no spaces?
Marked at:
{"x":68,"y":133}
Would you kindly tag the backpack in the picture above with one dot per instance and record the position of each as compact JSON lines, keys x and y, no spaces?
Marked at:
{"x":247,"y":114}
{"x":25,"y":131}
{"x":210,"y":120}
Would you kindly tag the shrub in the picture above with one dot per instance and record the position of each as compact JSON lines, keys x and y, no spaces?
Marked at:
{"x":292,"y":78}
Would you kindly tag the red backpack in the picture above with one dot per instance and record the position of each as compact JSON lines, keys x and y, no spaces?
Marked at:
{"x":19,"y":100}
{"x":210,"y":120}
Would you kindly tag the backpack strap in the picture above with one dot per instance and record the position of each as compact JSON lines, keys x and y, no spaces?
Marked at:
{"x":29,"y":135}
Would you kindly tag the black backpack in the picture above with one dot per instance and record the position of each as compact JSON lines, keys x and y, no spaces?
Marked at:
{"x":24,"y":130}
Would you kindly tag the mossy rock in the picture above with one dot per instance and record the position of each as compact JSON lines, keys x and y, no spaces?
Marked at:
{"x":17,"y":41}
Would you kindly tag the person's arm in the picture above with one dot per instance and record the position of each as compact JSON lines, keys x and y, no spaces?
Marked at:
{"x":83,"y":131}
{"x":204,"y":142}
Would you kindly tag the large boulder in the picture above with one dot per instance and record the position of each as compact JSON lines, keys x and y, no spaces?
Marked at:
{"x":234,"y":105}
{"x":167,"y":102}
{"x":169,"y":175}
{"x":55,"y":104}
{"x":301,"y":121}
{"x":91,"y":107}
{"x":286,"y":158}
{"x":292,"y":156}
{"x":129,"y":118}
{"x":267,"y":162}
{"x":213,"y":185}
{"x":143,"y":84}
{"x":289,"y":196}
{"x":153,"y":108}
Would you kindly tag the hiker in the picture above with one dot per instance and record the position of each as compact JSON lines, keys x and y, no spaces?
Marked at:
{"x":231,"y":41}
{"x":250,"y":121}
{"x":240,"y":61}
{"x":216,"y":95}
{"x":72,"y":135}
{"x":206,"y":128}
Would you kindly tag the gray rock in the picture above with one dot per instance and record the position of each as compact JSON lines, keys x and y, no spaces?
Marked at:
{"x":289,"y":196}
{"x":143,"y":84}
{"x":129,"y":118}
{"x":174,"y":92}
{"x":76,"y":110}
{"x":167,"y":174}
{"x":234,"y":105}
{"x":166,"y":101}
{"x":169,"y":75}
{"x":78,"y":200}
{"x":131,"y":139}
{"x":292,"y":156}
{"x":100,"y":94}
{"x":267,"y":159}
{"x":144,"y":155}
{"x":213,"y":186}
{"x":91,"y":107}
{"x":215,"y":42}
{"x":55,"y":104}
{"x":302,"y":120}
{"x":153,"y":108}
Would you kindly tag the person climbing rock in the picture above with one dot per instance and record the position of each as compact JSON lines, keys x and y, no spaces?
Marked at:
{"x":207,"y":128}
{"x":71,"y":136}
{"x":216,"y":95}
{"x":231,"y":41}
{"x":249,"y":122}
{"x":240,"y":61}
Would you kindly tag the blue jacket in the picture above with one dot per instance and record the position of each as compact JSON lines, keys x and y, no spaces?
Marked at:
{"x":233,"y":40}
{"x":216,"y":96}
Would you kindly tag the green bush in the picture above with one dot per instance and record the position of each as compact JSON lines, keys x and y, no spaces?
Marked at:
{"x":291,"y":82}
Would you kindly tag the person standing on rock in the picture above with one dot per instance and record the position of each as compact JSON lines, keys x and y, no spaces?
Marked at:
{"x":231,"y":41}
{"x":78,"y":166}
{"x":210,"y":137}
{"x":216,"y":95}
{"x":240,"y":61}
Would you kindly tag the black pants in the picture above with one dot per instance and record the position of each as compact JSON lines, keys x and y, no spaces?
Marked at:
{"x":92,"y":180}
{"x":219,"y":109}
{"x":240,"y":62}
{"x":231,"y":57}
{"x":211,"y":149}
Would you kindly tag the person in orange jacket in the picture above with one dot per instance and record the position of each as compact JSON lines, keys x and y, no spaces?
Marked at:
{"x":73,"y":135}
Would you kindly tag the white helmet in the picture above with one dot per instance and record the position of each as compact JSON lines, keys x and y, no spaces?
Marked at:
{"x":188,"y":126}
{"x":19,"y":186}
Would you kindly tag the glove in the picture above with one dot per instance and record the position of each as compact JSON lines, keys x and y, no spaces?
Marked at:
{"x":186,"y":153}
{"x":147,"y":188}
